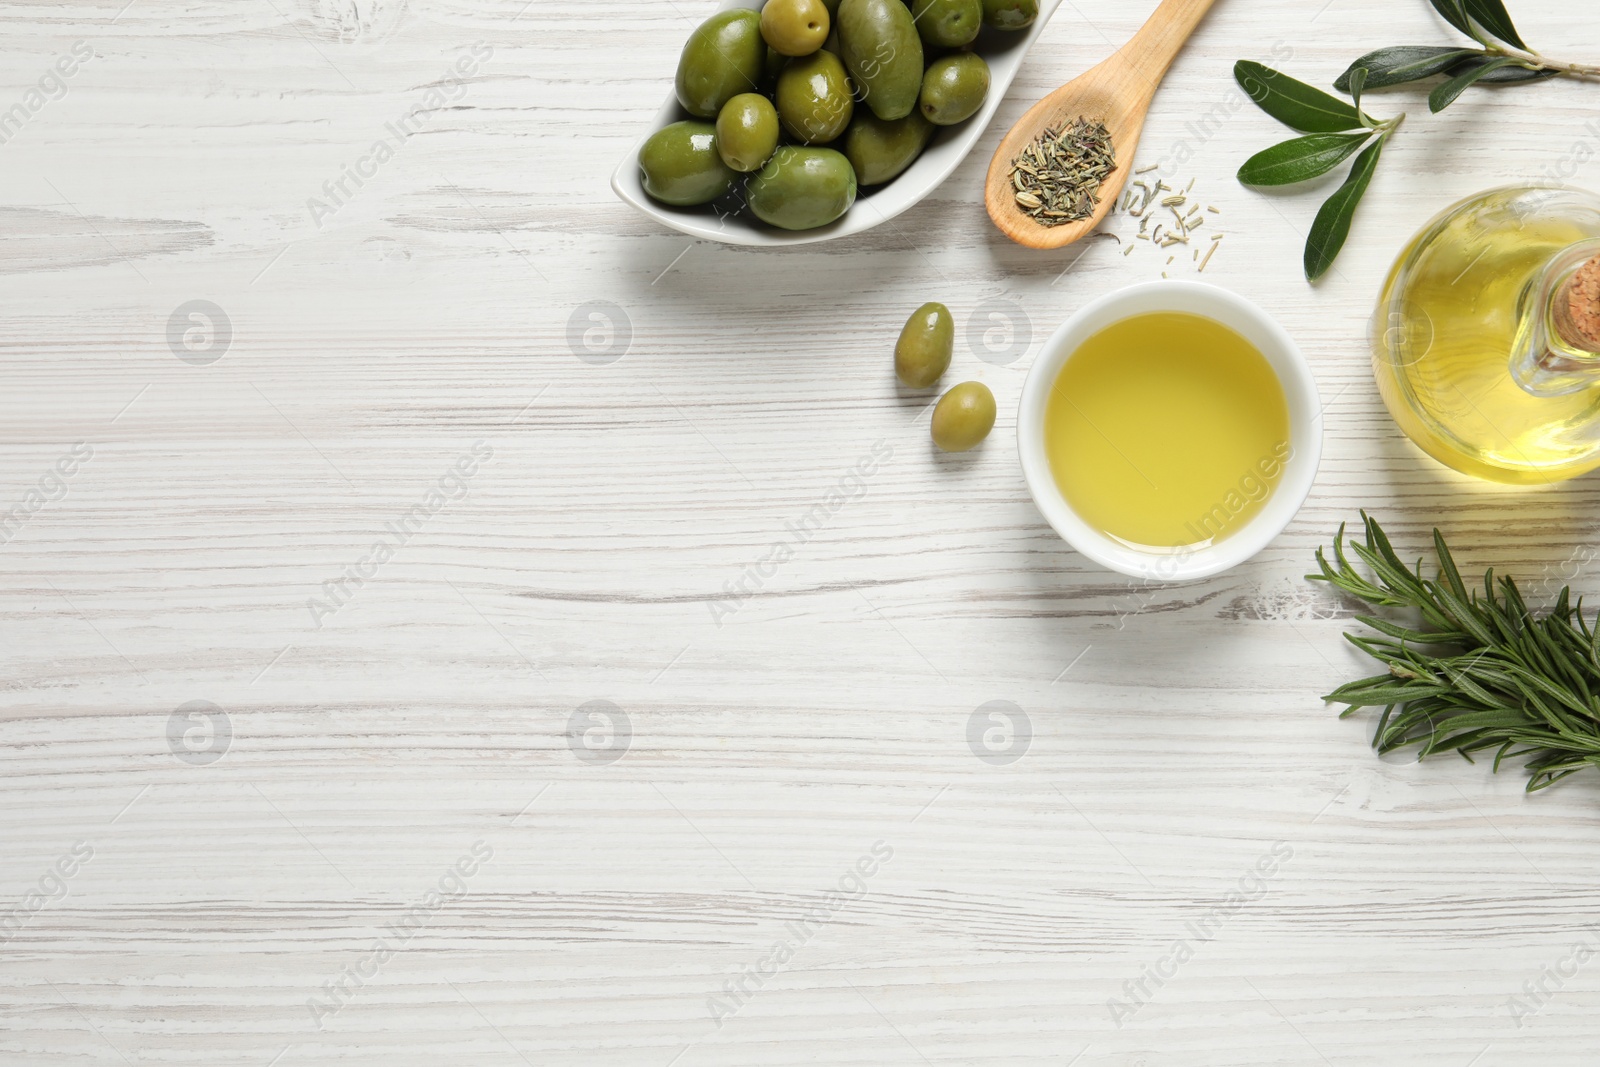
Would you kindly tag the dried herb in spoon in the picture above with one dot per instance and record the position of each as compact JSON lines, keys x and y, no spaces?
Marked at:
{"x":1478,"y":672}
{"x":1057,"y":177}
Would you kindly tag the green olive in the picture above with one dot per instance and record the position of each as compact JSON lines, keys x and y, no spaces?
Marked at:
{"x":747,"y":131}
{"x":926,"y":343}
{"x":771,"y":69}
{"x":795,"y":27}
{"x":681,"y":166}
{"x":947,"y":23}
{"x":880,"y":150}
{"x":803,"y":188}
{"x":954,"y":87}
{"x":963,"y":417}
{"x":1010,"y":14}
{"x":724,"y":57}
{"x":884,"y":54}
{"x":814,"y":99}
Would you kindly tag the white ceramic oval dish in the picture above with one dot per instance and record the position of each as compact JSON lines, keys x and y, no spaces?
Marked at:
{"x":1305,"y":429}
{"x":1004,"y":53}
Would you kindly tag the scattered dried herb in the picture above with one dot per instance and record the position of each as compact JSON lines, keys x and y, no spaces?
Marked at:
{"x":1494,"y":674}
{"x":1057,"y":177}
{"x":1147,"y":199}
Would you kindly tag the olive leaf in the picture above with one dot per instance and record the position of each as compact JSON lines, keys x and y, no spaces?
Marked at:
{"x":1492,"y":16}
{"x":1294,"y":103}
{"x":1445,"y":93}
{"x":1503,"y":59}
{"x":1454,"y":14}
{"x":1403,"y":63}
{"x":1514,"y":74}
{"x":1302,"y":158}
{"x":1358,"y":82}
{"x":1332,"y":224}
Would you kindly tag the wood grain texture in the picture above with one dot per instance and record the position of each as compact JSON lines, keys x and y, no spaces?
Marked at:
{"x":618,"y":546}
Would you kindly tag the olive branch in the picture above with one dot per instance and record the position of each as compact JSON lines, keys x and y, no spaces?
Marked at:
{"x":1503,"y":58}
{"x":1333,"y":130}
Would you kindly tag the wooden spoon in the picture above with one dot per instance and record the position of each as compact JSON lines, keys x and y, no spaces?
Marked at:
{"x":1117,"y":92}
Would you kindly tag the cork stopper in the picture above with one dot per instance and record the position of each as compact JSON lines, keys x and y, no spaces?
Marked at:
{"x":1577,"y":308}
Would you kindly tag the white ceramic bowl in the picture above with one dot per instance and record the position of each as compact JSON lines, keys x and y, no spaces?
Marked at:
{"x":1003,"y":52}
{"x":1305,"y":429}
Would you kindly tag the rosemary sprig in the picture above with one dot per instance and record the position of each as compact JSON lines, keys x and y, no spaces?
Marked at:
{"x":1480,"y":671}
{"x":1503,"y":57}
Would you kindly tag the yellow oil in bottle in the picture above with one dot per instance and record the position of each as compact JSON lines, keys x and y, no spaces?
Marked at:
{"x":1167,"y":430}
{"x":1455,"y":312}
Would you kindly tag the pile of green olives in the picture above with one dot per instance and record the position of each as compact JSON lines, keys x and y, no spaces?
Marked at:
{"x":805,"y":100}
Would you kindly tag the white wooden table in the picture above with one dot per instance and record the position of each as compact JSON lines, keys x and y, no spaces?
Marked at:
{"x":265,"y":877}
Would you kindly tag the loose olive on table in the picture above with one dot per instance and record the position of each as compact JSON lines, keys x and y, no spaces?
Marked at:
{"x":963,"y":417}
{"x":927,"y":341}
{"x":870,"y":78}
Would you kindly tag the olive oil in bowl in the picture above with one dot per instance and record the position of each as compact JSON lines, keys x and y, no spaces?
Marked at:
{"x":1167,"y":430}
{"x":1170,"y":430}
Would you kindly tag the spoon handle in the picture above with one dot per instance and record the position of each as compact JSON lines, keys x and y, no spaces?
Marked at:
{"x":1156,"y":45}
